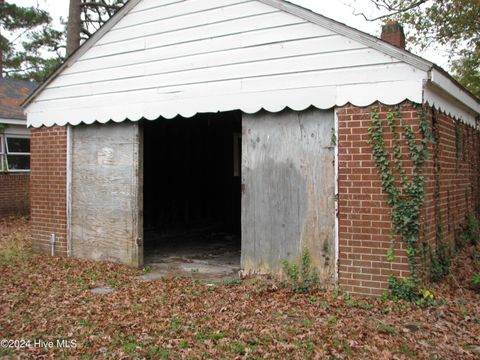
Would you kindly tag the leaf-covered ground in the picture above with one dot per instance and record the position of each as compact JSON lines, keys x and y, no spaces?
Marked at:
{"x":48,"y":299}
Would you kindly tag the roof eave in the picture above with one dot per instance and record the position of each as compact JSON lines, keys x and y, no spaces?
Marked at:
{"x":434,"y":74}
{"x":352,"y":33}
{"x":450,"y":87}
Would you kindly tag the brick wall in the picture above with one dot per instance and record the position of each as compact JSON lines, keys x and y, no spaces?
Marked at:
{"x":452,"y":190}
{"x":14,"y":194}
{"x":453,"y":187}
{"x":48,"y":188}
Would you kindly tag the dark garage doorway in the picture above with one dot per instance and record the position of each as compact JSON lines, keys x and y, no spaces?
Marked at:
{"x":192,"y":194}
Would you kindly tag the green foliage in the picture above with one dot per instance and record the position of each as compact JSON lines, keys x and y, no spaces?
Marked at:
{"x":27,"y":34}
{"x":130,"y":347}
{"x":406,"y":193}
{"x":32,"y":48}
{"x":475,"y":282}
{"x":303,"y":277}
{"x":386,"y":328}
{"x":405,"y":289}
{"x":232,"y":281}
{"x":440,"y":262}
{"x":473,"y":229}
{"x":333,"y":138}
{"x":14,"y":17}
{"x":391,"y":250}
{"x":466,"y":69}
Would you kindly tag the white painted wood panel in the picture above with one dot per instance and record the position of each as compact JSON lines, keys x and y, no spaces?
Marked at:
{"x":219,"y":55}
{"x":224,"y":86}
{"x":274,"y":19}
{"x":162,"y":12}
{"x":190,"y":21}
{"x":298,"y":48}
{"x":173,"y":77}
{"x":149,"y":4}
{"x":212,"y":45}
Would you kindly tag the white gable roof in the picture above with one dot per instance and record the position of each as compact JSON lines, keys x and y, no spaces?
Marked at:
{"x":182,"y":57}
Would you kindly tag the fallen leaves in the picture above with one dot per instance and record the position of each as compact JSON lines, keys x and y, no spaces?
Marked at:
{"x":49,"y":299}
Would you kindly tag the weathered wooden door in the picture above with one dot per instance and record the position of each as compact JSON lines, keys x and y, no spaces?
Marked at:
{"x":288,"y":181}
{"x":106,"y":193}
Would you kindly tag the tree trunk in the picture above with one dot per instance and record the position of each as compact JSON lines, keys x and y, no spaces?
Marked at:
{"x":74,"y":26}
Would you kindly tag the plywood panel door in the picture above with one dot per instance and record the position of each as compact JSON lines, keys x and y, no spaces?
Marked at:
{"x":288,"y":200}
{"x":106,"y":195}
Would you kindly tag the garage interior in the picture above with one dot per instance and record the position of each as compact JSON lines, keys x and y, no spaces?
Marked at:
{"x":192,"y":194}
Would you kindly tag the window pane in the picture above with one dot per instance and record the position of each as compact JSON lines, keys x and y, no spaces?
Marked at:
{"x":1,"y":144}
{"x":18,"y":162}
{"x":18,"y":145}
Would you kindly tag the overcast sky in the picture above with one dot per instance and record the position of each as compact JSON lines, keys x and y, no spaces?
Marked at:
{"x":340,"y":10}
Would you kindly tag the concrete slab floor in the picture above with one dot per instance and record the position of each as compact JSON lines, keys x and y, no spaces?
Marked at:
{"x":201,"y":254}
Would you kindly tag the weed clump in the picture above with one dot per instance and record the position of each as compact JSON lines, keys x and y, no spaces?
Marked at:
{"x":303,"y":277}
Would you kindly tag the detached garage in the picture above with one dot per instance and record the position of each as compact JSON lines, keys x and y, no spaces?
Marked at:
{"x":242,"y":126}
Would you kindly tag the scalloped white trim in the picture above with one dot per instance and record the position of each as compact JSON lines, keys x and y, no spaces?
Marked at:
{"x":273,"y":101}
{"x":437,"y":99}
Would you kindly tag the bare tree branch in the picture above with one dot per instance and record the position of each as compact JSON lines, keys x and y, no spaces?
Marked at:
{"x":385,"y":4}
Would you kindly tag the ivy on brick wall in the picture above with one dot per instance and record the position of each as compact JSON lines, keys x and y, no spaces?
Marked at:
{"x":405,"y":189}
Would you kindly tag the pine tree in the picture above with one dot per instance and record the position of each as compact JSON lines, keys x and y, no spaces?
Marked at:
{"x":31,"y":49}
{"x":26,"y":35}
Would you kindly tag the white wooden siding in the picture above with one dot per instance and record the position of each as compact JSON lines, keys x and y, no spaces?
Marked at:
{"x":166,"y":58}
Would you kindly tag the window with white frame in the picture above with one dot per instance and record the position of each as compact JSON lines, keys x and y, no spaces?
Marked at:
{"x":14,"y":153}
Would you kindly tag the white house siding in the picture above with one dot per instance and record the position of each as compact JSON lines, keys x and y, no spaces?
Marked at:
{"x":166,"y":58}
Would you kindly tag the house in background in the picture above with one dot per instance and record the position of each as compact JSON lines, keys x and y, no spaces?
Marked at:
{"x":251,"y":116}
{"x":14,"y":148}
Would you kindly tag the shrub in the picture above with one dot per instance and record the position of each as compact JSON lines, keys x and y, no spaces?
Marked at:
{"x":303,"y":277}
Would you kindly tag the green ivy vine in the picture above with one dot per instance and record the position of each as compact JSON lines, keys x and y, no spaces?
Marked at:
{"x":406,"y":191}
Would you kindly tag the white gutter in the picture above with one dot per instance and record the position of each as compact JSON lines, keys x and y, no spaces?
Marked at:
{"x":445,"y":94}
{"x":454,"y":90}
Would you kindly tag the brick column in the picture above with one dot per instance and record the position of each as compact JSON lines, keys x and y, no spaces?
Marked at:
{"x":49,"y":188}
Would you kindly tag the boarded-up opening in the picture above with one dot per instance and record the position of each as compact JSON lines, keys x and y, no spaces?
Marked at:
{"x":192,"y":189}
{"x":105,"y":197}
{"x":288,"y":202}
